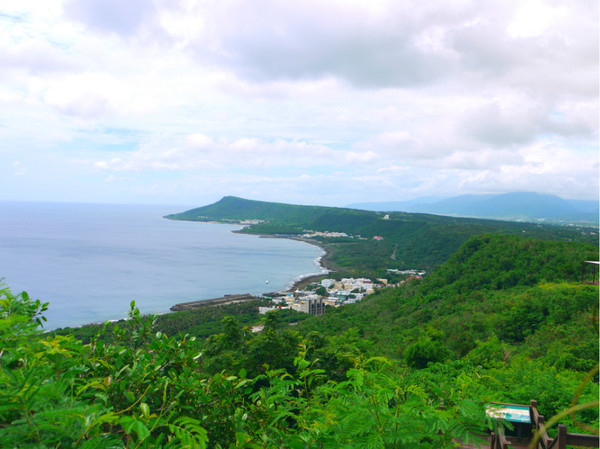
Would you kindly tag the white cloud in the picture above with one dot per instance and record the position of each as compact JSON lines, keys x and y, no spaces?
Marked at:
{"x":269,"y":40}
{"x":36,"y":57}
{"x":114,"y":16}
{"x":19,"y":169}
{"x":487,"y":160}
{"x":200,"y":152}
{"x":369,"y":99}
{"x":533,"y":17}
{"x":360,"y":157}
{"x":85,"y":95}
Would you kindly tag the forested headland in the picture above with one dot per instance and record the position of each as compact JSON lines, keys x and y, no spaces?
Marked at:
{"x":504,"y":317}
{"x":408,"y":240}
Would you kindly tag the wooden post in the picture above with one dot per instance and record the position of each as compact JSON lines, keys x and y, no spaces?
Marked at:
{"x":532,"y":406}
{"x":543,"y":435}
{"x":502,"y":443}
{"x":562,"y":436}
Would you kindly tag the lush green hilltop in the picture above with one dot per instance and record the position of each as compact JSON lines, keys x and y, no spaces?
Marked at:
{"x":235,"y":209}
{"x":410,"y":240}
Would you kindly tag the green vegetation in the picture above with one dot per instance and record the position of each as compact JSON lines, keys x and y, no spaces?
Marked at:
{"x":407,"y":367}
{"x":501,"y":307}
{"x":145,"y":389}
{"x":201,"y":322}
{"x":235,"y":209}
{"x":491,"y":285}
{"x":409,"y":240}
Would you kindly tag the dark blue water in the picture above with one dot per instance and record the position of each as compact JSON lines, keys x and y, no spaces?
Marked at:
{"x":90,"y":261}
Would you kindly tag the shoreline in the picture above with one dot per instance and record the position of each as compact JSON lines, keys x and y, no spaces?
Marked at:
{"x":300,"y":282}
{"x":324,"y":261}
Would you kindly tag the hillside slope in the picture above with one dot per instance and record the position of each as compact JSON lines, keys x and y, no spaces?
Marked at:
{"x":519,"y":290}
{"x":235,"y":208}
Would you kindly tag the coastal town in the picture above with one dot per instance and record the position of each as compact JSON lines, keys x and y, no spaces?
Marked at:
{"x":332,"y":293}
{"x":313,"y":298}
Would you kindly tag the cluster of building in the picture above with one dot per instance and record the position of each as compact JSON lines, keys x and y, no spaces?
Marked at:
{"x":338,"y":293}
{"x":311,"y":234}
{"x":308,"y":234}
{"x":409,"y":272}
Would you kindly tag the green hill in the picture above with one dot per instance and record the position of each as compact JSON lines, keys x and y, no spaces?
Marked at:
{"x":410,"y":240}
{"x":234,"y":208}
{"x":493,"y":285}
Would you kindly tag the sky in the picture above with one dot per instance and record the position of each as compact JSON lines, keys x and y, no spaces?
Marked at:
{"x":325,"y":102}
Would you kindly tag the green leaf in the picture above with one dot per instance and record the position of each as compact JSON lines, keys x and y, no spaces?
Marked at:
{"x":145,"y":410}
{"x":190,"y":433}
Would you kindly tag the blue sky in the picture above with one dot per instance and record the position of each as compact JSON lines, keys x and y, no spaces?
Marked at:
{"x":310,"y":102}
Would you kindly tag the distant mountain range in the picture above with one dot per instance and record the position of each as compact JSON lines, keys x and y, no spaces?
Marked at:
{"x":520,"y":206}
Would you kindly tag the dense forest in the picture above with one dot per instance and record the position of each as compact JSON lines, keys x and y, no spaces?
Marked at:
{"x":504,"y":319}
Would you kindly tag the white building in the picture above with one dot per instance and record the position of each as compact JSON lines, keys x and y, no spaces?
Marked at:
{"x":327,"y":283}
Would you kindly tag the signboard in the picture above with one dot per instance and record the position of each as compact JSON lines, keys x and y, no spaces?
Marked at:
{"x":509,"y":412}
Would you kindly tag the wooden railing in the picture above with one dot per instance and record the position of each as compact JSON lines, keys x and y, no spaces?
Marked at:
{"x":562,"y":439}
{"x":498,"y":440}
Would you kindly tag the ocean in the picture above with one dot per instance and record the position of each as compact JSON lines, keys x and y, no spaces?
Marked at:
{"x":89,"y":261}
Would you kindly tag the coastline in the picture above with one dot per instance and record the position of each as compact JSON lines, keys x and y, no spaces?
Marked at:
{"x":324,"y":261}
{"x":323,"y":266}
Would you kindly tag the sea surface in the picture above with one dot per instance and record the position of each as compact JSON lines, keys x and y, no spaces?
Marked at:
{"x":91,"y":260}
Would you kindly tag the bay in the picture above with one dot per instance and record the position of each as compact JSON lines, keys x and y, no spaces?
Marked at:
{"x":91,"y":260}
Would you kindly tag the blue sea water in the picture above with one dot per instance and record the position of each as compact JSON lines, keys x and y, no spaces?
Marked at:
{"x":91,"y":260}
